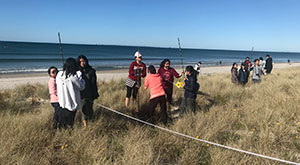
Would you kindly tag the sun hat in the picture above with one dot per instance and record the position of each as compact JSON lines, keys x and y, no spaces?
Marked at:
{"x":137,"y":54}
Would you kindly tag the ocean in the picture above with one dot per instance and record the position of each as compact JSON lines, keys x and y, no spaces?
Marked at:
{"x":19,"y":57}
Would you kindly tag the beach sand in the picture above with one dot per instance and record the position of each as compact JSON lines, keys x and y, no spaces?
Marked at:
{"x":9,"y":81}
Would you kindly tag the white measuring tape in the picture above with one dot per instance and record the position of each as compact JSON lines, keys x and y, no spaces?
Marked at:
{"x":201,"y":140}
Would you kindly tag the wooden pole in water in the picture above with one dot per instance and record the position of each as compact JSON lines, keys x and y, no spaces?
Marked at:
{"x":60,"y":47}
{"x":180,"y":53}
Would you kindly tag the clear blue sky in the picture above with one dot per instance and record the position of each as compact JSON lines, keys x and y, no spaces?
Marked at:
{"x":272,"y":25}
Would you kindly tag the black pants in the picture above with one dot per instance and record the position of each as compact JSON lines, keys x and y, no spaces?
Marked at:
{"x":55,"y":115}
{"x":132,"y":90}
{"x":187,"y":105}
{"x":87,"y":109}
{"x":163,"y":107}
{"x":66,"y":118}
{"x":169,"y":93}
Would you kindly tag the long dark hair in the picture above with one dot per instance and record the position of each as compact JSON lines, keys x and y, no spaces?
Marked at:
{"x":70,"y":67}
{"x":84,"y":58}
{"x":162,"y":64}
{"x":192,"y":71}
{"x":233,"y":66}
{"x":151,"y":69}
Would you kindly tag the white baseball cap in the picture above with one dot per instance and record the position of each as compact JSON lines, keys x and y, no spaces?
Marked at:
{"x":137,"y":54}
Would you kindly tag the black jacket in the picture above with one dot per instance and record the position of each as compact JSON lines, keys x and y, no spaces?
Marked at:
{"x":91,"y":90}
{"x":269,"y":65}
{"x":191,"y":87}
{"x":243,"y":76}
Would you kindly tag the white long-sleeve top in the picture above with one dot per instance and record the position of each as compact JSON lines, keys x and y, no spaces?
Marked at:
{"x":68,"y":90}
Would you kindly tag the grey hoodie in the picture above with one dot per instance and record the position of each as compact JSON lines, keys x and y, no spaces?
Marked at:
{"x":257,"y":72}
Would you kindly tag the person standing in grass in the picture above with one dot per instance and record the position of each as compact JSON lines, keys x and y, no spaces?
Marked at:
{"x":234,"y":73}
{"x":157,"y":93}
{"x":248,"y":66}
{"x":69,"y":84}
{"x":269,"y":64}
{"x":90,"y":93}
{"x":257,"y":72}
{"x":137,"y":70}
{"x":168,"y":73}
{"x":242,"y":76}
{"x":52,"y":71}
{"x":191,"y":88}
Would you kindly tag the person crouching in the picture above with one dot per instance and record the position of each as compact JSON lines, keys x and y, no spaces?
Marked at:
{"x":157,"y":93}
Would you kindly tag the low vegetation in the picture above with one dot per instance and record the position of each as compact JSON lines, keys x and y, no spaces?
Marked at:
{"x":263,"y":118}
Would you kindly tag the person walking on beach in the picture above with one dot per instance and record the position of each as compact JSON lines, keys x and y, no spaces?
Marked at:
{"x":157,"y":93}
{"x":168,"y":73}
{"x":242,"y":76}
{"x":234,"y":73}
{"x":90,"y":93}
{"x":197,"y":67}
{"x":52,"y":71}
{"x":69,"y":84}
{"x":269,"y":64}
{"x":191,"y":88}
{"x":137,"y":70}
{"x":257,"y":72}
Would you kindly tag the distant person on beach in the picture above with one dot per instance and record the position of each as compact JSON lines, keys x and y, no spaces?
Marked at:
{"x":242,"y":76}
{"x":197,"y":67}
{"x":269,"y":64}
{"x":191,"y":88}
{"x":168,"y":73}
{"x":257,"y":72}
{"x":137,"y":70}
{"x":52,"y":71}
{"x":69,"y":84}
{"x":289,"y":62}
{"x":90,"y":93}
{"x":157,"y":93}
{"x":234,"y":73}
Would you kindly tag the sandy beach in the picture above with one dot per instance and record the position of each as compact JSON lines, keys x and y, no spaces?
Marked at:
{"x":9,"y":81}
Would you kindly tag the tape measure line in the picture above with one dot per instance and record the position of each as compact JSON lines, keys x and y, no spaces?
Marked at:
{"x":201,"y":140}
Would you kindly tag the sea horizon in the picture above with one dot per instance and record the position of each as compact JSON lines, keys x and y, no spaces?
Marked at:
{"x":16,"y":56}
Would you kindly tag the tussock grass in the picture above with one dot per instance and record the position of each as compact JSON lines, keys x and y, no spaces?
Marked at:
{"x":261,"y":118}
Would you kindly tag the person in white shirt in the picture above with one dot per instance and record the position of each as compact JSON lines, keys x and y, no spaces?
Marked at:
{"x":197,"y":67}
{"x":69,"y":84}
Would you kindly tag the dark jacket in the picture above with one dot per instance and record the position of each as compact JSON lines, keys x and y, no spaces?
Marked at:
{"x":269,"y":65}
{"x":234,"y":75}
{"x":191,"y":87}
{"x":243,"y":77}
{"x":91,"y":90}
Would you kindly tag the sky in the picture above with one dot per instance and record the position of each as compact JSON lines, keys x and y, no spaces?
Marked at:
{"x":272,"y":25}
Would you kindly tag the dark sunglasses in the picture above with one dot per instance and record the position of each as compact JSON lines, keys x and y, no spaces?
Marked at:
{"x":54,"y":71}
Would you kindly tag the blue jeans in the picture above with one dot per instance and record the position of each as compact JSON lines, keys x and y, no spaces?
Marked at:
{"x":56,"y":115}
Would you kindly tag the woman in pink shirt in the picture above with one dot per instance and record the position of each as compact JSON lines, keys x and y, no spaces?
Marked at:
{"x":157,"y":93}
{"x":52,"y":71}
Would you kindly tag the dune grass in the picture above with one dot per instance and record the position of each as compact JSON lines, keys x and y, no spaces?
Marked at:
{"x":262,"y":118}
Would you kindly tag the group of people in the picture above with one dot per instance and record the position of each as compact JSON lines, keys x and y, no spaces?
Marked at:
{"x":259,"y":68}
{"x":160,"y":84}
{"x":73,"y":88}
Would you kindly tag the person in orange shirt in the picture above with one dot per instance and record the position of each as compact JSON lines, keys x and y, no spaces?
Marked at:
{"x":157,"y":94}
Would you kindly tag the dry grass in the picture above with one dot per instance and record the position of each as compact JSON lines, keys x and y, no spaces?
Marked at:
{"x":261,"y":118}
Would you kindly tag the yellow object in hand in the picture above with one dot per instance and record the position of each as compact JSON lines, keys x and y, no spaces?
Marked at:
{"x":179,"y":84}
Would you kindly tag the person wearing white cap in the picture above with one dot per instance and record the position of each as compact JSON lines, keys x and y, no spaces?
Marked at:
{"x":137,"y":70}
